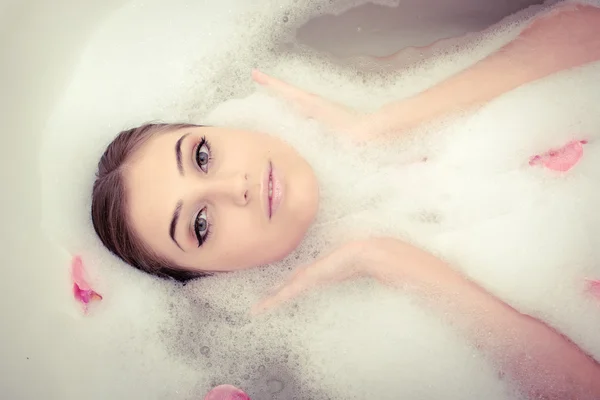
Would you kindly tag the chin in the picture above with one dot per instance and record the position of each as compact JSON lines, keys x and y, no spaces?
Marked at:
{"x":284,"y":252}
{"x":285,"y":249}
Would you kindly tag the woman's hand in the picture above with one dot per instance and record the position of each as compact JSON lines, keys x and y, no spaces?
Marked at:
{"x":335,"y":116}
{"x":346,"y":262}
{"x":389,"y":121}
{"x":390,"y":261}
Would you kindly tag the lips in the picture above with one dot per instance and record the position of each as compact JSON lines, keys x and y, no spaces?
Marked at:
{"x":272,"y":191}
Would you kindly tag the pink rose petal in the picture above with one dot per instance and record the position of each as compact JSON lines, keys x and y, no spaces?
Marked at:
{"x":226,"y":392}
{"x":77,"y":273}
{"x":81,"y":289}
{"x":562,"y":159}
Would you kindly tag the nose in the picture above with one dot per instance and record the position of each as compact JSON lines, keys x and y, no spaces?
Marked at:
{"x":232,"y":188}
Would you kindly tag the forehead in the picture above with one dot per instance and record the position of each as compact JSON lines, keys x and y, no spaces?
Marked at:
{"x":151,"y":178}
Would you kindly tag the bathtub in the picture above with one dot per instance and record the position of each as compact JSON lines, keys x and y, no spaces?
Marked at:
{"x":40,"y":42}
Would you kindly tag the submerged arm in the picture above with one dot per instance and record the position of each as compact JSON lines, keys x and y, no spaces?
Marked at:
{"x":567,"y":37}
{"x":544,"y":364}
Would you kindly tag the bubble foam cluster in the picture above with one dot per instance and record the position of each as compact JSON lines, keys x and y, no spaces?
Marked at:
{"x":527,"y":235}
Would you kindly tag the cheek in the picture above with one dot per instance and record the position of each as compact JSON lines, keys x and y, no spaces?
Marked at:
{"x":241,"y":241}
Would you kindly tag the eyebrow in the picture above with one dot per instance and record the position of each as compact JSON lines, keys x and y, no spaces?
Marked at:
{"x":178,"y":154}
{"x":174,"y":223}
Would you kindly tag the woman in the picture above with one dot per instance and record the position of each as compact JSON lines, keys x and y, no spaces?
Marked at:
{"x":161,"y":188}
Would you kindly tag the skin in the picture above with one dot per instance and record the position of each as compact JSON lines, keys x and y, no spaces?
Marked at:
{"x":230,"y":189}
{"x":526,"y":349}
{"x":544,"y":363}
{"x":242,"y":236}
{"x":540,"y":360}
{"x":566,"y":37}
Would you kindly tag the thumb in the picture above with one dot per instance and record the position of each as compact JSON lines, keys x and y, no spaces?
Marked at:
{"x":281,"y":88}
{"x":337,"y":266}
{"x":301,"y":280}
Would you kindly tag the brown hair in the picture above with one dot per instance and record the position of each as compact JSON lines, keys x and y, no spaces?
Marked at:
{"x":109,"y":205}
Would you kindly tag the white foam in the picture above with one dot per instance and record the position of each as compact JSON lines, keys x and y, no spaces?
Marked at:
{"x":526,"y":234}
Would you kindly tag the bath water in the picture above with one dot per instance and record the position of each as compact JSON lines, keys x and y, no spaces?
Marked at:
{"x":528,"y":235}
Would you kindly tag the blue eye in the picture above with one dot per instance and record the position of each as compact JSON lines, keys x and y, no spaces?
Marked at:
{"x":203,"y":155}
{"x":201,"y":227}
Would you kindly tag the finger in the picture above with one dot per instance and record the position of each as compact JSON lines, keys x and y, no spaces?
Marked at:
{"x":322,"y":271}
{"x":259,"y":77}
{"x":280,"y":87}
{"x":300,"y":280}
{"x":287,"y":293}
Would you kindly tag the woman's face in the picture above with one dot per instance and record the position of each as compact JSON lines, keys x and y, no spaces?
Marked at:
{"x":215,"y":199}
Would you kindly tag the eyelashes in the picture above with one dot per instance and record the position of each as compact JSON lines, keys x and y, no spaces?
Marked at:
{"x":201,"y":227}
{"x":202,"y":157}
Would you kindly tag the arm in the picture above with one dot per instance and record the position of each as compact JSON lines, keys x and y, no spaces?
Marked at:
{"x":542,"y":362}
{"x":567,"y":37}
